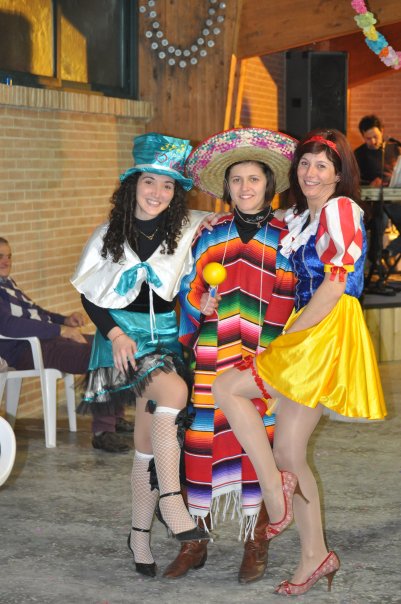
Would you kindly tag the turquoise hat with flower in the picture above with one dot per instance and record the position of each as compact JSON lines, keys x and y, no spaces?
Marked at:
{"x":207,"y":164}
{"x":160,"y":154}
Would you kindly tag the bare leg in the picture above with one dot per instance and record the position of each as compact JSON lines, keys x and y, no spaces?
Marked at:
{"x":167,"y":389}
{"x":143,"y":425}
{"x":294,"y":425}
{"x":232,"y":391}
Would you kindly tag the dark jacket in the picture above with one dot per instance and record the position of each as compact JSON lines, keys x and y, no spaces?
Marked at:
{"x":21,"y":317}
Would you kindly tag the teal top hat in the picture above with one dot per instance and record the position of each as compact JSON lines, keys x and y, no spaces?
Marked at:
{"x":160,"y":154}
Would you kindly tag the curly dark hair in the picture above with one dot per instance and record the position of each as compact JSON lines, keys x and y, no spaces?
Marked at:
{"x":344,"y":164}
{"x":122,"y":224}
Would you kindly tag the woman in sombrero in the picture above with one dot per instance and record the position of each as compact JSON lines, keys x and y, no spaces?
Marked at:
{"x":245,"y":167}
{"x":324,"y":358}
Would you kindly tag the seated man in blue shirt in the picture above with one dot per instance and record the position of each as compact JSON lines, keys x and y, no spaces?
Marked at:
{"x":63,"y":346}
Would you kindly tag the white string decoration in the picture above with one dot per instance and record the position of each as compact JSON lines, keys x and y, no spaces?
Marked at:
{"x":174,"y":54}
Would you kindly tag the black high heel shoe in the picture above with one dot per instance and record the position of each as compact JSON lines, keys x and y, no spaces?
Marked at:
{"x":195,"y":534}
{"x":149,"y":570}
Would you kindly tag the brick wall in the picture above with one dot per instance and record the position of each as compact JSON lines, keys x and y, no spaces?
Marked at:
{"x":263,"y":92}
{"x":60,"y":157}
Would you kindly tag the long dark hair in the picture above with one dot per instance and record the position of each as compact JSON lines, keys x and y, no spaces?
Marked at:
{"x":123,"y":227}
{"x":344,"y":164}
{"x":267,"y":171}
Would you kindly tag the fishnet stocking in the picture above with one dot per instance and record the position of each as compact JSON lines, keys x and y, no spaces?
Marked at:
{"x":167,"y":459}
{"x":143,"y":506}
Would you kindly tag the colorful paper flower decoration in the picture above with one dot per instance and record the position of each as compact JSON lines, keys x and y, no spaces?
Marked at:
{"x":375,"y":40}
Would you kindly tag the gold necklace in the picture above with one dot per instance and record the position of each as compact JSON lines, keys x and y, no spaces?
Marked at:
{"x":151,"y":236}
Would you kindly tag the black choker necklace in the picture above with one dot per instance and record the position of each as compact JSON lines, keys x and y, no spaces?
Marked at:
{"x":255,"y":219}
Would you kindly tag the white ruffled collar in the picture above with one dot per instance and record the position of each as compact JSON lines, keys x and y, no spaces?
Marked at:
{"x":115,"y":285}
{"x":296,"y":236}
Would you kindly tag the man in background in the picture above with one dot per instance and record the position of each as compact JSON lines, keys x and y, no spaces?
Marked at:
{"x":376,"y":157}
{"x":63,"y":346}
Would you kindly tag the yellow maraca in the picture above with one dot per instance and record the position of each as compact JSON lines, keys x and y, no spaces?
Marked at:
{"x":214,"y":273}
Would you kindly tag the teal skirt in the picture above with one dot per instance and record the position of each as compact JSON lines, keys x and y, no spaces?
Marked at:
{"x":108,"y":390}
{"x":137,"y":327}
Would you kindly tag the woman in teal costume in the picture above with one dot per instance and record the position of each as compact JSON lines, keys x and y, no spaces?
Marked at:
{"x":129,"y":276}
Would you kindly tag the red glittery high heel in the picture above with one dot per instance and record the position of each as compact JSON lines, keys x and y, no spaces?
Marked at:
{"x":290,"y":486}
{"x":328,"y":568}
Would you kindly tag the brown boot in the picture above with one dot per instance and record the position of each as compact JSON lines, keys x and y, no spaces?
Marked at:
{"x":254,"y":561}
{"x":193,"y":555}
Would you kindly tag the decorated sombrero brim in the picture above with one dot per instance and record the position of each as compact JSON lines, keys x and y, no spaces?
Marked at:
{"x":208,"y":162}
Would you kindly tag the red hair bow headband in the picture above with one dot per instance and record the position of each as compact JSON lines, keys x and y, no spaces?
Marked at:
{"x":323,"y":141}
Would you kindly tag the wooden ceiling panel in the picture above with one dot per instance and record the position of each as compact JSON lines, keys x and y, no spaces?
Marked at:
{"x":363,"y":64}
{"x":268,"y":26}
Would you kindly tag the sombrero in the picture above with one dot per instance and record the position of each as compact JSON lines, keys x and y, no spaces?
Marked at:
{"x":208,"y":162}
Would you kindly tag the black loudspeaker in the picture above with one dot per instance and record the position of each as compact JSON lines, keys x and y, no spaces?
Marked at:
{"x":316,"y":91}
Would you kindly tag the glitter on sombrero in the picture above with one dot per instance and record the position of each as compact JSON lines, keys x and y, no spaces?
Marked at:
{"x":207,"y":163}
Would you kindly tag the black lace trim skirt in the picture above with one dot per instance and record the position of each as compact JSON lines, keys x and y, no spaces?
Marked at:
{"x":108,"y":389}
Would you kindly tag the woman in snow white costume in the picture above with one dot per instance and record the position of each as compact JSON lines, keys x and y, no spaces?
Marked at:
{"x":129,"y":276}
{"x":324,"y":357}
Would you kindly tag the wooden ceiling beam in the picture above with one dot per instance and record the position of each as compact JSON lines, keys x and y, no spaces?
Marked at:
{"x":269,"y":26}
{"x":363,"y":64}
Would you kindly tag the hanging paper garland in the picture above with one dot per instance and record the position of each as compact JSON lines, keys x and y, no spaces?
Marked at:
{"x":198,"y":49}
{"x":374,"y":39}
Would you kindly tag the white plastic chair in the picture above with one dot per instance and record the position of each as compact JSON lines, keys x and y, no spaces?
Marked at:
{"x":8,"y":447}
{"x":48,"y":382}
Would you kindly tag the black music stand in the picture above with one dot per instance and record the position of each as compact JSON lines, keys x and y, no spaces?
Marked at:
{"x":378,"y":266}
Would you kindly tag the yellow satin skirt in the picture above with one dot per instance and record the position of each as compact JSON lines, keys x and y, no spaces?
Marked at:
{"x":332,"y":363}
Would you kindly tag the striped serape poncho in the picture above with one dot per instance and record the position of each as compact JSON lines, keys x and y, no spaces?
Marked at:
{"x":257,"y":299}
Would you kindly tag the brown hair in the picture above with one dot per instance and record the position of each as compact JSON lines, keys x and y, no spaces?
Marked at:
{"x":342,"y":158}
{"x":267,"y":171}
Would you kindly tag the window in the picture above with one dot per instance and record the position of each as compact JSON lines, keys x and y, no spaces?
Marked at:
{"x":86,"y":45}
